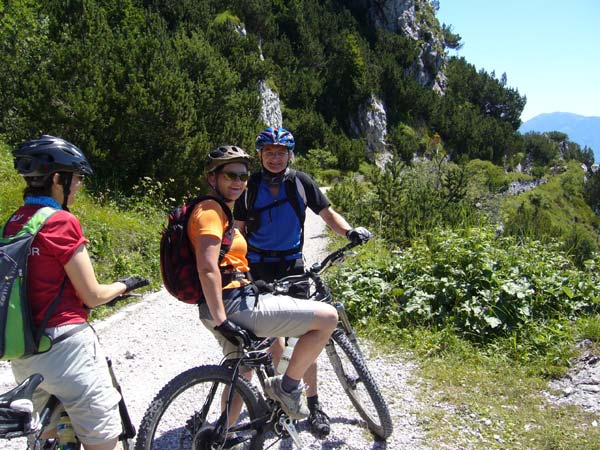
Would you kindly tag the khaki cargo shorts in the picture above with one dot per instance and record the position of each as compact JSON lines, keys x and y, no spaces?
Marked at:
{"x":272,"y":315}
{"x":76,"y":372}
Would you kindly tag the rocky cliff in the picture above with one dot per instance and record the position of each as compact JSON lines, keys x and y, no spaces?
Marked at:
{"x":414,"y":19}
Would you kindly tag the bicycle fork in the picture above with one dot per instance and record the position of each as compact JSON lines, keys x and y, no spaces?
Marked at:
{"x":346,"y":325}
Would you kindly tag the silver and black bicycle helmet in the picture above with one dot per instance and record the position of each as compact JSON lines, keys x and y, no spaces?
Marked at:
{"x":37,"y":159}
{"x":226,"y":154}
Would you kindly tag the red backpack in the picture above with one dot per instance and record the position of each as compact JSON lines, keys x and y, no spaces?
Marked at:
{"x":177,"y":259}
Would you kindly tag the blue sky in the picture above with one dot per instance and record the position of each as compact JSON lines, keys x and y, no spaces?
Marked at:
{"x":549,"y":49}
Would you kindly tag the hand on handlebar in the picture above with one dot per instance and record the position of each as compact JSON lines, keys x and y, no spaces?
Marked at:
{"x":234,"y":333}
{"x":132,"y":283}
{"x":358,"y":235}
{"x":264,"y":287}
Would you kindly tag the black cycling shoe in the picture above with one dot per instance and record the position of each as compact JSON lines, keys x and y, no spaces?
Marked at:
{"x":319,"y":422}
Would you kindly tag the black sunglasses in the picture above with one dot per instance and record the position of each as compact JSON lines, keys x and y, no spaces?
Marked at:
{"x":234,"y":176}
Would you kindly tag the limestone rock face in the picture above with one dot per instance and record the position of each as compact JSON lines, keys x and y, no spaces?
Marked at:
{"x":270,"y":111}
{"x":412,"y":19}
{"x":403,"y":17}
{"x":373,"y":126}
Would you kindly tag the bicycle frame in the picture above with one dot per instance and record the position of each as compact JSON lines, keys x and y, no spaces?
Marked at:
{"x":260,"y":361}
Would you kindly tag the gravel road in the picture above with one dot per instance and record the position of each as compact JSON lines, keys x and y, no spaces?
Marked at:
{"x":158,"y":337}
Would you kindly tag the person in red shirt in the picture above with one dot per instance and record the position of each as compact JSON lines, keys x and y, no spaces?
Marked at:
{"x":74,"y":369}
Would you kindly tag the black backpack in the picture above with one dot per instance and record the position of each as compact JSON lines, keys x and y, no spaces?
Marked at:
{"x":177,"y":259}
{"x":18,"y":335}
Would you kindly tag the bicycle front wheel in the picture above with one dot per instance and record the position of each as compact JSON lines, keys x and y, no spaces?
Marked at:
{"x":184,"y":413}
{"x":358,"y":383}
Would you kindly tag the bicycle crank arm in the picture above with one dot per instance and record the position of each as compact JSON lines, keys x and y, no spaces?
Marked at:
{"x":289,"y":426}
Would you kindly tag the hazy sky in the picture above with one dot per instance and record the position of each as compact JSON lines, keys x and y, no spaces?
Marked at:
{"x":549,"y":49}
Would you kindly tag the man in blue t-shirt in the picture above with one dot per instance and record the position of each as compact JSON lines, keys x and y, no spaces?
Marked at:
{"x":271,"y":214}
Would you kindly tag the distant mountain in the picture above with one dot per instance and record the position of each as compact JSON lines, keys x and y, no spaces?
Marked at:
{"x":581,"y":129}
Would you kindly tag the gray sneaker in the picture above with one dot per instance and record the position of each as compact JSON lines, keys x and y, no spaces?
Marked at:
{"x":292,"y":403}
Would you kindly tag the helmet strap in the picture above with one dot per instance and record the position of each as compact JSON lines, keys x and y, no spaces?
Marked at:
{"x":216,"y":190}
{"x":273,"y":179}
{"x":65,"y":180}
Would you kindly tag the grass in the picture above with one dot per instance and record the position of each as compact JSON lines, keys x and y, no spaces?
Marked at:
{"x":501,"y":406}
{"x":478,"y":401}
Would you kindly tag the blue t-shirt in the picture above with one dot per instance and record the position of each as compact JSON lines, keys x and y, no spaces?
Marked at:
{"x":280,"y":229}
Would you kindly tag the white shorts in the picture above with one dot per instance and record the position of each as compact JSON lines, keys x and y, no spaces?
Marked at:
{"x":76,"y":372}
{"x":272,"y":315}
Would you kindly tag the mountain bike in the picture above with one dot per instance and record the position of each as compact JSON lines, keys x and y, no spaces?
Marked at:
{"x":195,"y":410}
{"x":18,"y":418}
{"x":343,"y":350}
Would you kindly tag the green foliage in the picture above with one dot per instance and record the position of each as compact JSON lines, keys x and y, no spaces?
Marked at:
{"x":492,"y":291}
{"x":139,"y":99}
{"x":147,"y":88}
{"x":451,"y":39}
{"x":405,"y":201}
{"x":485,"y":92}
{"x":543,"y":150}
{"x":556,"y":211}
{"x":592,"y":191}
{"x":11,"y":183}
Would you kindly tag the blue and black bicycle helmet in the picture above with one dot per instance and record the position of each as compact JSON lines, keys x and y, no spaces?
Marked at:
{"x":37,"y":159}
{"x":276,"y":136}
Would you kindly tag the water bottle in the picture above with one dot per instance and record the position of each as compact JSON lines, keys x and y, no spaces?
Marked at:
{"x":66,"y":436}
{"x":286,"y":355}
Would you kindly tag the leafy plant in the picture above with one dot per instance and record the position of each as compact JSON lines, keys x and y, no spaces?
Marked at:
{"x":484,"y":287}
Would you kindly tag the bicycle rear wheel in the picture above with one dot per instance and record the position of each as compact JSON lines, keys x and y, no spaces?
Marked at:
{"x":183,"y":414}
{"x":351,"y":369}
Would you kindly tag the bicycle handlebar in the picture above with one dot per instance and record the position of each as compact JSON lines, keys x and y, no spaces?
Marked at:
{"x":282,"y":285}
{"x":121,"y":297}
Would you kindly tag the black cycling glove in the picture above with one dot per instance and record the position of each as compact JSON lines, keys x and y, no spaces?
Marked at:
{"x":133,"y":282}
{"x":234,"y":333}
{"x":358,"y":235}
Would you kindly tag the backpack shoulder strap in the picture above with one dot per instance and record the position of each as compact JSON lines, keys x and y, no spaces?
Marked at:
{"x":227,"y":239}
{"x":32,"y":227}
{"x":252,"y":190}
{"x":34,"y":224}
{"x":293,"y":188}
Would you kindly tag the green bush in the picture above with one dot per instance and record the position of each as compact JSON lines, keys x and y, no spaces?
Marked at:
{"x":401,"y":202}
{"x":485,"y":288}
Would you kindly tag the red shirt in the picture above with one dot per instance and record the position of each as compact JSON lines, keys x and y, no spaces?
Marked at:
{"x":51,"y":249}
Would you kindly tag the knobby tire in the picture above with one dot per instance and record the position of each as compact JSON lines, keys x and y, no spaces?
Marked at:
{"x":358,"y":383}
{"x":173,"y":419}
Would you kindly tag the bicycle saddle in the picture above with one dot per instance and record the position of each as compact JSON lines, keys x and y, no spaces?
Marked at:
{"x":22,"y":391}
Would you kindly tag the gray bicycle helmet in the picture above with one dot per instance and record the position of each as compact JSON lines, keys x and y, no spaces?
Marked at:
{"x":37,"y":159}
{"x":226,"y":154}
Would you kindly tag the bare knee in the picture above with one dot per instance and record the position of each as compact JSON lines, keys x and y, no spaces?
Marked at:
{"x":332,"y":317}
{"x":326,"y":318}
